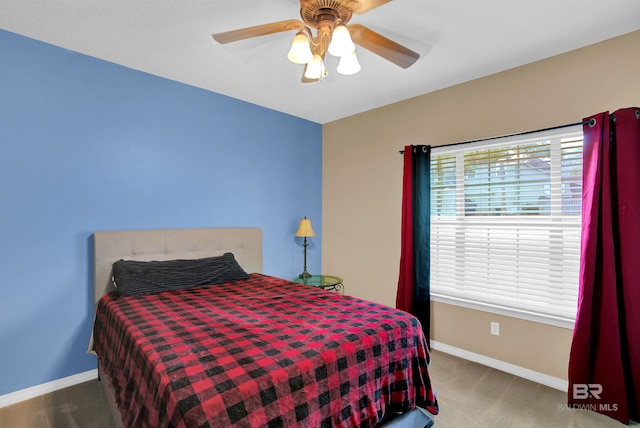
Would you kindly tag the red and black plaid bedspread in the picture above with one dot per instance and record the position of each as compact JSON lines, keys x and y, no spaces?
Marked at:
{"x":260,"y":353}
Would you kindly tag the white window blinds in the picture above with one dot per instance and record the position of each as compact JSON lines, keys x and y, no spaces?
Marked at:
{"x":505,"y":223}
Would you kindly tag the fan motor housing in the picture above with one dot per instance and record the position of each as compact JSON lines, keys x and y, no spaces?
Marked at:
{"x":315,"y":11}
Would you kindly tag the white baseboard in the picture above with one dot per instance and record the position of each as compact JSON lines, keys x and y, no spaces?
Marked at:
{"x":541,"y":378}
{"x":45,"y":388}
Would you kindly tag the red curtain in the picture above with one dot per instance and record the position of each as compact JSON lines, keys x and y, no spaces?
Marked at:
{"x":404,"y":296}
{"x":604,"y":366}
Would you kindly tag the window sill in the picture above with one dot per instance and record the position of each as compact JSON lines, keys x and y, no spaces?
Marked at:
{"x":501,"y":310}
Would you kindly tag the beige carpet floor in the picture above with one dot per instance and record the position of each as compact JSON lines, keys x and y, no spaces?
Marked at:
{"x":473,"y":395}
{"x":470,"y":395}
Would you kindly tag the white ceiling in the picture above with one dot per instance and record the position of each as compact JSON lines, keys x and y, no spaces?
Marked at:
{"x":458,"y":40}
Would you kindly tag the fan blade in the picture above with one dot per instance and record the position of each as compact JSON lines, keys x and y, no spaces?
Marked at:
{"x":367,"y":5}
{"x":380,"y":45}
{"x":258,"y":30}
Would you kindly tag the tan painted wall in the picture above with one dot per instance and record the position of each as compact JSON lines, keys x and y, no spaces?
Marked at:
{"x":362,"y":179}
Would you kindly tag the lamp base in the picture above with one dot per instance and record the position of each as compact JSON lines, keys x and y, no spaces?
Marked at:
{"x":304,"y":274}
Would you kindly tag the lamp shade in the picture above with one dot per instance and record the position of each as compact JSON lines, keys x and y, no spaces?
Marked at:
{"x":341,"y":43}
{"x":349,"y":64}
{"x":305,"y":228}
{"x":300,"y":52}
{"x":315,"y":69}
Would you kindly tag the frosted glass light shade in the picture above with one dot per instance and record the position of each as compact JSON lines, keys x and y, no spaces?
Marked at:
{"x":349,"y":64}
{"x":341,"y":43}
{"x":315,"y":69}
{"x":300,"y":52}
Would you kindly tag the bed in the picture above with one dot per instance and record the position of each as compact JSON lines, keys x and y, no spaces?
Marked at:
{"x":249,"y":352}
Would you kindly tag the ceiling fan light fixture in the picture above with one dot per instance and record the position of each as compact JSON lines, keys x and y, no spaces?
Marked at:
{"x":349,"y":64}
{"x":341,"y":43}
{"x":300,"y":52}
{"x":328,"y":19}
{"x":315,"y":69}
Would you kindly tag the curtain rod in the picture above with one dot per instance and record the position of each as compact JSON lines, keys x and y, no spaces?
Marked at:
{"x":590,"y":122}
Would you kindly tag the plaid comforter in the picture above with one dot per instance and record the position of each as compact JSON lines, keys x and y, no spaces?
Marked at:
{"x":264,"y":352}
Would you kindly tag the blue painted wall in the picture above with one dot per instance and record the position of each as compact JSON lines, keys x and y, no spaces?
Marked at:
{"x":87,"y":145}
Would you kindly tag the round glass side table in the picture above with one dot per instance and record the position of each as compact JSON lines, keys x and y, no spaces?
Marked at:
{"x":326,"y":282}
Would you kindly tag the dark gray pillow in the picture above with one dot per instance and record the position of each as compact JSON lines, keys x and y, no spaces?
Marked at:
{"x":136,"y":278}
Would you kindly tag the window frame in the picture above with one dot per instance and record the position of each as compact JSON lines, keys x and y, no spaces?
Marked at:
{"x":438,"y":295}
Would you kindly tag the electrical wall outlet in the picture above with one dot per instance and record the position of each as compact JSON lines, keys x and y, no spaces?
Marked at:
{"x":495,"y":329}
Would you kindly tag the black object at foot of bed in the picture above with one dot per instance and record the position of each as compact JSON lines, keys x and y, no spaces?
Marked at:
{"x":415,"y":418}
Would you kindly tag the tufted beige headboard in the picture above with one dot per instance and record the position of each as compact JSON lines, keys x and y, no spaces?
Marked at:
{"x":170,"y":244}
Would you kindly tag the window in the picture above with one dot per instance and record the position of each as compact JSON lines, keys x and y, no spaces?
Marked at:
{"x":505,"y":225}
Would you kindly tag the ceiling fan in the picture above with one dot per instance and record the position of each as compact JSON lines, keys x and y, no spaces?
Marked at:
{"x":329,"y":18}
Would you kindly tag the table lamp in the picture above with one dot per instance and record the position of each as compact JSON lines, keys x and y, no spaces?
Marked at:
{"x":305,"y":230}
